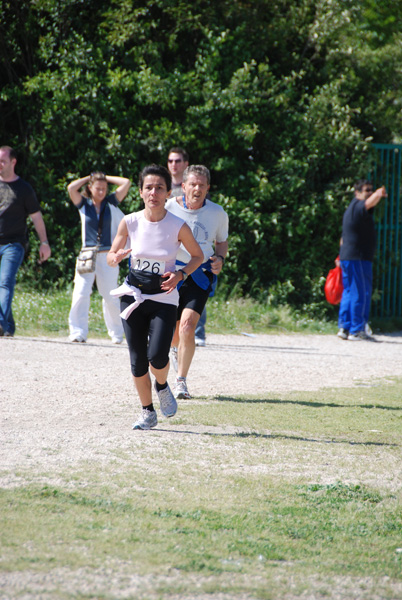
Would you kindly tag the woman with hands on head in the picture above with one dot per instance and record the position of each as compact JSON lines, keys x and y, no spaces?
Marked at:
{"x":96,"y":208}
{"x":149,"y":296}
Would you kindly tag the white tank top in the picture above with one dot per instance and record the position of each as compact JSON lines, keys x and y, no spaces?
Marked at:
{"x":155,"y":241}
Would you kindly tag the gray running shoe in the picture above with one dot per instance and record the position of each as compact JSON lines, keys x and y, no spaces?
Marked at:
{"x":173,"y":358}
{"x":360,"y":335}
{"x":367,"y":329}
{"x":147,"y":420}
{"x":343,"y":334}
{"x":167,"y":401}
{"x":180,"y":390}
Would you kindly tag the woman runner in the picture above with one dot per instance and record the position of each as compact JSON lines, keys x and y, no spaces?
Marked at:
{"x":149,"y":297}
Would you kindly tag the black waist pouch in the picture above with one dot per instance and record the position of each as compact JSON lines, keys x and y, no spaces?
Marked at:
{"x":149,"y":283}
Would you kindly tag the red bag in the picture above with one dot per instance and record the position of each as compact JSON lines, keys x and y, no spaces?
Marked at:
{"x":333,"y":285}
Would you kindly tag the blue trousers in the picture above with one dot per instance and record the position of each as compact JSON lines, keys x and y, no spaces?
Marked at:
{"x":354,"y":310}
{"x":200,"y":329}
{"x":11,"y":256}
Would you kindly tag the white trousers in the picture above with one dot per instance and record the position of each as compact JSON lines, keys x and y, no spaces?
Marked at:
{"x":106,"y":280}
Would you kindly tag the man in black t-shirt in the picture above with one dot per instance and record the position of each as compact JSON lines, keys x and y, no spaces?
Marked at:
{"x":356,"y":257}
{"x":17,"y":201}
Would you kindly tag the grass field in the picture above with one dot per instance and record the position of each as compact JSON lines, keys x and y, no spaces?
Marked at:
{"x":46,"y":313}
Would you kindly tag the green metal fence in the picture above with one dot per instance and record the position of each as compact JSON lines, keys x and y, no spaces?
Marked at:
{"x":387,"y":267}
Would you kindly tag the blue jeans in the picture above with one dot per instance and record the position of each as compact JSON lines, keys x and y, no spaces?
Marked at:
{"x":200,"y":329}
{"x":11,"y":256}
{"x":354,"y":310}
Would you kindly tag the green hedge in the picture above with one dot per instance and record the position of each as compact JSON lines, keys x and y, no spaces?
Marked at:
{"x":280,"y":99}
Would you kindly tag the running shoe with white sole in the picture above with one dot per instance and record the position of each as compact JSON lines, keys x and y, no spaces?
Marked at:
{"x":173,"y":358}
{"x":343,"y":333}
{"x":368,"y":330}
{"x":180,"y":390}
{"x":147,"y":420}
{"x":167,"y":401}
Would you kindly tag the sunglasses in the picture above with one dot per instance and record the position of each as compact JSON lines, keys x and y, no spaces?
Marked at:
{"x":175,"y":160}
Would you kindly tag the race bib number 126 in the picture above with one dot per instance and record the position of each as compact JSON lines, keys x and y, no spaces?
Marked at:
{"x":150,"y":265}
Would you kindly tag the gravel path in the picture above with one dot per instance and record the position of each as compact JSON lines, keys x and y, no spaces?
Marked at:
{"x":51,"y":389}
{"x":229,"y":364}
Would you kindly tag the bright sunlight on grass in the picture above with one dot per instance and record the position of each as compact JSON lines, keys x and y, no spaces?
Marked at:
{"x":46,"y":314}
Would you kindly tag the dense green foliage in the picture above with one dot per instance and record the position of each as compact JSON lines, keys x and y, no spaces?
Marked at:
{"x":281,"y":100}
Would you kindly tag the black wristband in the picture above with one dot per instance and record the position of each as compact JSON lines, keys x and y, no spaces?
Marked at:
{"x":222,"y":257}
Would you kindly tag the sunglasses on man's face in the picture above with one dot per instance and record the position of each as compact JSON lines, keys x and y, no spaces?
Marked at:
{"x":175,"y":160}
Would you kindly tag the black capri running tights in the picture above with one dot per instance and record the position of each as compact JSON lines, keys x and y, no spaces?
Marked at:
{"x":149,"y":332}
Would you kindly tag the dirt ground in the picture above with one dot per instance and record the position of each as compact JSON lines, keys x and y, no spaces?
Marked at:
{"x":53,"y":390}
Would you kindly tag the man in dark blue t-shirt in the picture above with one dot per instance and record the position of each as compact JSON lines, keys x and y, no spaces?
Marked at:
{"x":356,"y":257}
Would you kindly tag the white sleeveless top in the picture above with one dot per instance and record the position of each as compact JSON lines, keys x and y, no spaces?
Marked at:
{"x":154,"y":240}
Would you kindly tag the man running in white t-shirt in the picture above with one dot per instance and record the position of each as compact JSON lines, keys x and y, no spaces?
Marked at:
{"x":210,"y":225}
